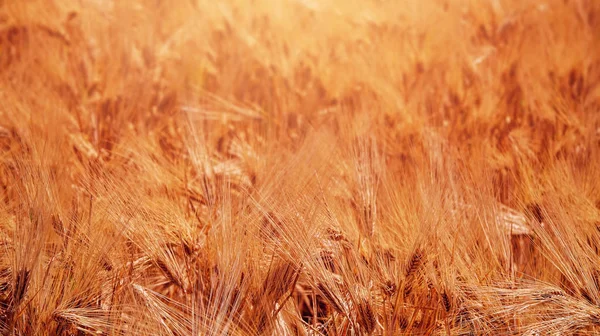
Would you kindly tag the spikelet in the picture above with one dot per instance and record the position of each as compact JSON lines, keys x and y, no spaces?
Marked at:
{"x":414,"y":263}
{"x":389,"y":288}
{"x":20,"y":286}
{"x":279,"y":280}
{"x":446,"y":301}
{"x":365,"y":314}
{"x":333,"y":298}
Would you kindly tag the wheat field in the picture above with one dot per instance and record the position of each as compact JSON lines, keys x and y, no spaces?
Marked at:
{"x":299,"y":167}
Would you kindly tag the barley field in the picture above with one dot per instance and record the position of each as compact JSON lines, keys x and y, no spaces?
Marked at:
{"x":299,"y":167}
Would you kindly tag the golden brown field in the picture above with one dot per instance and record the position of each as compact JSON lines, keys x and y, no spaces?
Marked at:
{"x":299,"y":167}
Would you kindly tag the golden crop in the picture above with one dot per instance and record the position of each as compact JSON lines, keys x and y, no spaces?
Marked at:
{"x":299,"y":167}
